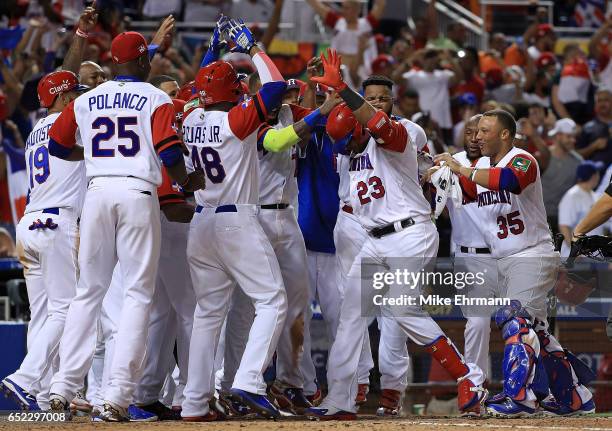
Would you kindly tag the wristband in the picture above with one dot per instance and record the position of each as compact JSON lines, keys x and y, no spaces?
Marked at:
{"x":312,"y":118}
{"x":352,"y":99}
{"x":472,"y":174}
{"x":81,"y":33}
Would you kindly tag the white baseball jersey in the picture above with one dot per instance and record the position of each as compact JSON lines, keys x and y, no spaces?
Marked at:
{"x":122,"y":125}
{"x":344,"y":188}
{"x":512,"y":221}
{"x":277,"y":182}
{"x":53,"y":182}
{"x":465,"y":219}
{"x":224,"y":145}
{"x":384,"y":179}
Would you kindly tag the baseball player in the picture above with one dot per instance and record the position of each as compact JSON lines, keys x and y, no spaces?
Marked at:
{"x":222,"y":139}
{"x":174,"y":300}
{"x":473,"y":256}
{"x":388,"y":201}
{"x":507,"y":189}
{"x":126,"y":126}
{"x":47,"y":241}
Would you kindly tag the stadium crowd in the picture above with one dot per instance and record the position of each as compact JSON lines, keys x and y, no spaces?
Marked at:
{"x":561,"y":99}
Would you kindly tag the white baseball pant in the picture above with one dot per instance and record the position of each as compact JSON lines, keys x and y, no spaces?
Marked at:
{"x":284,"y":233}
{"x":99,"y":373}
{"x":171,"y":314}
{"x":420,"y":242}
{"x":49,"y":258}
{"x":324,"y":288}
{"x":226,"y":249}
{"x":120,"y":222}
{"x":477,"y":331}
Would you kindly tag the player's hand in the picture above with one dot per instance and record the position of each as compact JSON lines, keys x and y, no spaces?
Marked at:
{"x":88,"y":18}
{"x":314,"y":67}
{"x":165,"y":30}
{"x":215,"y":43}
{"x":196,"y":180}
{"x":453,"y":164}
{"x":238,"y":32}
{"x":330,"y":103}
{"x":332,"y":77}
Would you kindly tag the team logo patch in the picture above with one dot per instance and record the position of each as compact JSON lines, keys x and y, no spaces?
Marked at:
{"x":521,"y":164}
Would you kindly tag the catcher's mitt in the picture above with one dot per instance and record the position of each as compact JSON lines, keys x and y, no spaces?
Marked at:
{"x":574,"y":285}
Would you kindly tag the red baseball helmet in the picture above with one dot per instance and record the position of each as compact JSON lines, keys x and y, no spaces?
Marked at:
{"x":218,"y":82}
{"x":56,"y":83}
{"x":187,"y":91}
{"x":179,"y":106}
{"x":341,"y":122}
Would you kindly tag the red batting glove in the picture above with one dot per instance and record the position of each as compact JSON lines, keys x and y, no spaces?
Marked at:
{"x":331,"y":71}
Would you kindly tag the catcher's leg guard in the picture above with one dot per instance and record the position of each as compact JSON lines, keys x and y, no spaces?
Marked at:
{"x":567,"y":375}
{"x":469,"y":377}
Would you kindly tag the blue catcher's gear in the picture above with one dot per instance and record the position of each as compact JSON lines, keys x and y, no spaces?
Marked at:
{"x":565,"y":371}
{"x":508,"y":312}
{"x":519,"y":358}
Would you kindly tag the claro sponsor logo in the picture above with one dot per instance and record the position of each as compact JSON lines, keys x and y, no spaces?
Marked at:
{"x":59,"y":88}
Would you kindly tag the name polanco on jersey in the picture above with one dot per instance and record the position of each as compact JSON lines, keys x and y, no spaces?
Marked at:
{"x":120,"y":101}
{"x":360,"y":162}
{"x":492,"y":197}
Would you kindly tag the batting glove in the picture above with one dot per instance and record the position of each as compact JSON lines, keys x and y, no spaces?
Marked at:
{"x":332,"y":77}
{"x":240,"y":35}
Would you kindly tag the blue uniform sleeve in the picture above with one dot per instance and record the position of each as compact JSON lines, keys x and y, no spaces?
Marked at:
{"x":171,"y":155}
{"x":58,"y":150}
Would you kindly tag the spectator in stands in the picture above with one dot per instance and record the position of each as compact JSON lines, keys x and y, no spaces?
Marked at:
{"x":205,"y":10}
{"x":433,"y":83}
{"x":571,"y":87}
{"x":352,"y":34}
{"x":560,"y":174}
{"x":383,"y":65}
{"x":600,"y":49}
{"x":7,"y":245}
{"x":493,"y":57}
{"x":393,"y":18}
{"x":595,"y":141}
{"x":453,"y":38}
{"x":545,"y":39}
{"x":471,"y":82}
{"x":253,"y":11}
{"x":577,"y":202}
{"x":155,"y":10}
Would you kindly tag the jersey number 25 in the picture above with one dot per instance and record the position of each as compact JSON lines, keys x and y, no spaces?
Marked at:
{"x":108,"y":133}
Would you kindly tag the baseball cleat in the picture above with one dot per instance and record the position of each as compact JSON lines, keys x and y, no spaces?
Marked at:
{"x":508,"y":408}
{"x":162,"y":412}
{"x":316,"y":398}
{"x":290,"y":399}
{"x":390,"y":403}
{"x":362,"y":393}
{"x":228,"y":406}
{"x":329,"y":414}
{"x":22,"y":397}
{"x":138,"y":414}
{"x":112,"y":413}
{"x":80,"y":405}
{"x":211,"y":416}
{"x":257,"y":403}
{"x":57,"y":403}
{"x":555,"y":408}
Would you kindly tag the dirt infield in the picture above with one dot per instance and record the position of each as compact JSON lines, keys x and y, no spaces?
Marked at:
{"x":363,"y":423}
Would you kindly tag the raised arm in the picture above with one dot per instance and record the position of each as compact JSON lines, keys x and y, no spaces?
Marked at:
{"x":321,"y":9}
{"x":595,"y":42}
{"x":387,"y":132}
{"x":272,"y":29}
{"x":277,"y":140}
{"x":377,"y":9}
{"x":74,"y":56}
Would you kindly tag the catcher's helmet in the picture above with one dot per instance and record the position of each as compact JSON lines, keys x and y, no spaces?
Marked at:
{"x":218,"y":82}
{"x":52,"y":85}
{"x":341,"y":122}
